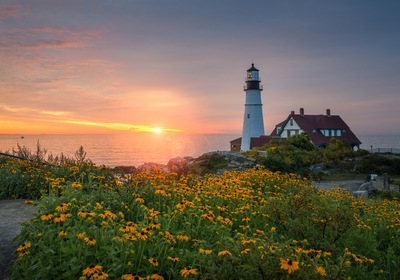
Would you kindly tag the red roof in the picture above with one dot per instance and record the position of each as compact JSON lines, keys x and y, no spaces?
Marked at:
{"x":313,"y":124}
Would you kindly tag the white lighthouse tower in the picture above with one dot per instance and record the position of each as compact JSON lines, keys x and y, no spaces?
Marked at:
{"x":253,"y":123}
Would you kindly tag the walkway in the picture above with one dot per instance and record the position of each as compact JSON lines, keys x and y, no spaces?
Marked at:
{"x":12,"y":214}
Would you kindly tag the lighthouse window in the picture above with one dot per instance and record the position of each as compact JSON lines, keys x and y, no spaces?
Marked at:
{"x":248,"y":116}
{"x":249,"y":75}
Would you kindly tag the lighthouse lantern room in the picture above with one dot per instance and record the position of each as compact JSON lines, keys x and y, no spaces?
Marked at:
{"x":253,"y":123}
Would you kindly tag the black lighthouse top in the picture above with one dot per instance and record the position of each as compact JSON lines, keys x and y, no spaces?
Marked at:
{"x":252,"y":80}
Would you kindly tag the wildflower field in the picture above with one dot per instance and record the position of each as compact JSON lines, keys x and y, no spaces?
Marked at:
{"x":92,"y":224}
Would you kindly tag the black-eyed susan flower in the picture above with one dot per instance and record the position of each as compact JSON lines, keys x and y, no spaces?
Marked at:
{"x":90,"y":240}
{"x":156,"y":276}
{"x":289,"y":265}
{"x":131,"y":276}
{"x":24,"y":246}
{"x":188,"y":271}
{"x":173,"y":259}
{"x":90,"y":270}
{"x":63,"y":234}
{"x":321,"y":271}
{"x":76,"y":185}
{"x":205,"y":252}
{"x":63,"y":207}
{"x":153,"y":261}
{"x":139,"y":200}
{"x":46,"y":217}
{"x":182,"y":237}
{"x":100,"y":275}
{"x":224,"y":253}
{"x":155,"y":226}
{"x":245,"y":251}
{"x":23,"y":253}
{"x":81,"y":235}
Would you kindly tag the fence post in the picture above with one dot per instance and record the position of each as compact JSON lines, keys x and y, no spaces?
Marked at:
{"x":385,"y":181}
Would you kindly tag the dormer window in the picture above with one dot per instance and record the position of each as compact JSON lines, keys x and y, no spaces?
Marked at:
{"x":314,"y":130}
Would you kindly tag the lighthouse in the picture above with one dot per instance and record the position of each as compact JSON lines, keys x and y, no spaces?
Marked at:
{"x":253,"y":123}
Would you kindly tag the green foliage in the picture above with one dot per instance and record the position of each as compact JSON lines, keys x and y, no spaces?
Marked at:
{"x":301,"y":142}
{"x":295,"y":155}
{"x":33,"y":177}
{"x":298,"y":155}
{"x":378,"y":163}
{"x":209,"y":163}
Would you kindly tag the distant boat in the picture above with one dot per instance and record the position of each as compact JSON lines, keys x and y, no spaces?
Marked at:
{"x":22,"y":137}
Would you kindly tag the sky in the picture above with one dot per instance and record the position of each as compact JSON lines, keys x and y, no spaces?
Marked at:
{"x":101,"y":66}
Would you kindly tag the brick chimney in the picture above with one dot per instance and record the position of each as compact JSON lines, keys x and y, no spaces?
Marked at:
{"x":302,"y":111}
{"x":328,"y":112}
{"x":292,"y":113}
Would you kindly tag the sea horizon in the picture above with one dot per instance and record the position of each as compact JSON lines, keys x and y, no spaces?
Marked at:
{"x":135,"y":149}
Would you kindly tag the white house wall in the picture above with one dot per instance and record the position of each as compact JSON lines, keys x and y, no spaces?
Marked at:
{"x":294,"y":128}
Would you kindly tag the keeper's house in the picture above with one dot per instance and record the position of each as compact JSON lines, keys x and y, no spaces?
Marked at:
{"x":319,"y":128}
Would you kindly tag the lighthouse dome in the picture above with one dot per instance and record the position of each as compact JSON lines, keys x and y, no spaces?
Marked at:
{"x":252,"y":68}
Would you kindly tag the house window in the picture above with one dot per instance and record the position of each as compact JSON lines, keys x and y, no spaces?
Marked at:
{"x":338,"y":132}
{"x":291,"y":122}
{"x":314,"y":131}
{"x":278,"y":130}
{"x":248,"y":116}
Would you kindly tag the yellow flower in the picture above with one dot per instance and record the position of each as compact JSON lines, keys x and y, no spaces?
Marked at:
{"x":321,"y":271}
{"x":29,"y":202}
{"x":76,"y":185}
{"x":23,"y":253}
{"x":91,"y":270}
{"x":63,"y":234}
{"x":90,"y":240}
{"x":174,"y":259}
{"x":182,"y":237}
{"x":153,"y":261}
{"x":139,"y":200}
{"x":62,"y":207}
{"x":131,"y":276}
{"x":289,"y":265}
{"x":100,"y":275}
{"x":188,"y":271}
{"x":46,"y":217}
{"x":155,"y":225}
{"x":81,"y":235}
{"x":24,"y":246}
{"x":245,"y":251}
{"x":156,"y":276}
{"x":224,"y":253}
{"x":205,"y":252}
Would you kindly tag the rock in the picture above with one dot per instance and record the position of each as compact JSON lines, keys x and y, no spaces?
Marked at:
{"x":151,"y":167}
{"x":316,"y":168}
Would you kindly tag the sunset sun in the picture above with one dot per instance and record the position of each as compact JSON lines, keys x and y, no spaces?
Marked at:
{"x":157,"y":130}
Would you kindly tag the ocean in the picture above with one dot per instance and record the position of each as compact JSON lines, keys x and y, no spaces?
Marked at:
{"x":138,"y":148}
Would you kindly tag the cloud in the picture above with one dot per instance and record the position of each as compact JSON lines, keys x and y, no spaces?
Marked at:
{"x":8,"y":10}
{"x":122,"y":126}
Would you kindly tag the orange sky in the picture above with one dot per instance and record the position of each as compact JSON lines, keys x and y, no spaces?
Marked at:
{"x":135,"y":66}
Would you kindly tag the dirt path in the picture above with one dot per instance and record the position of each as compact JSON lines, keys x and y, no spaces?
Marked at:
{"x":12,"y":214}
